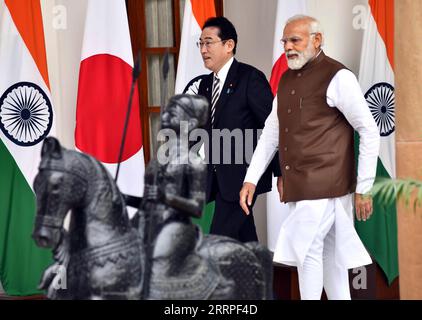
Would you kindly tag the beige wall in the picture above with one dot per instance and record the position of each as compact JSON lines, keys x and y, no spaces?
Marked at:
{"x":254,"y":24}
{"x":408,"y":72}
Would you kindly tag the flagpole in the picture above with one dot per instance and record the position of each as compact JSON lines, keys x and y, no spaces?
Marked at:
{"x":135,"y":74}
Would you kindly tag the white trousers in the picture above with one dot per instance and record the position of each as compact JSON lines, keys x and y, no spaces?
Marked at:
{"x":319,"y":269}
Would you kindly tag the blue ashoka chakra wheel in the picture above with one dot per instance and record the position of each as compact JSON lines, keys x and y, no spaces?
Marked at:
{"x":380,"y":99}
{"x":26,"y":115}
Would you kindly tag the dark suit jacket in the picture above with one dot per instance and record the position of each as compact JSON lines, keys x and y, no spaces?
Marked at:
{"x":244,"y":103}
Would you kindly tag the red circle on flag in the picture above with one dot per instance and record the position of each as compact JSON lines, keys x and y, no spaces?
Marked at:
{"x":103,"y":95}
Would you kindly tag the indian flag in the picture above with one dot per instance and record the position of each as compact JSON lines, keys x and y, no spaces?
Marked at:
{"x":376,"y":77}
{"x":26,"y":118}
{"x":190,"y":63}
{"x":191,"y":66}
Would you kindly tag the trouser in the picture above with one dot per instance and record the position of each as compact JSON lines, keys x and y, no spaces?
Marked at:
{"x":319,"y":269}
{"x":231,"y":221}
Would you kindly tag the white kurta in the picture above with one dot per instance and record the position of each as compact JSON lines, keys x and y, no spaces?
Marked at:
{"x":300,"y":227}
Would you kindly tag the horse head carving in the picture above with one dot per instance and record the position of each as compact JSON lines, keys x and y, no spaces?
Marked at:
{"x":101,"y":243}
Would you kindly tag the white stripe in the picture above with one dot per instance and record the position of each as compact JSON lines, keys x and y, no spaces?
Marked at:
{"x":374,"y":68}
{"x":190,"y":64}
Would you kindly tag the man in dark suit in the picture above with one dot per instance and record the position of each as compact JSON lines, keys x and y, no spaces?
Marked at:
{"x":240,"y":100}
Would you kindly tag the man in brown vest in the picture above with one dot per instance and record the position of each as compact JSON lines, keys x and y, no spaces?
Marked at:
{"x":320,"y":104}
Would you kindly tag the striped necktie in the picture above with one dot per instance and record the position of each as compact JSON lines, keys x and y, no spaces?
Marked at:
{"x":215,"y":95}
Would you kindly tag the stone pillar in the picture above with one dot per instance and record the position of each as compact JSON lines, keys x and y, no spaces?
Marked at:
{"x":408,"y":78}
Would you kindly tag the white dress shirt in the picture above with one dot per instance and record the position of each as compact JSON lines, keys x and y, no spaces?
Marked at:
{"x":222,"y":74}
{"x":343,"y":93}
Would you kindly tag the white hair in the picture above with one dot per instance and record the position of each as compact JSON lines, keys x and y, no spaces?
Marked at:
{"x":313,"y":23}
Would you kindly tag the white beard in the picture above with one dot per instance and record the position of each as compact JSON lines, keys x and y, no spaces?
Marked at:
{"x":302,"y":57}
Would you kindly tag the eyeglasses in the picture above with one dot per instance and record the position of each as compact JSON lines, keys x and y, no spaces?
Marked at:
{"x":295,"y":39}
{"x":207,"y":44}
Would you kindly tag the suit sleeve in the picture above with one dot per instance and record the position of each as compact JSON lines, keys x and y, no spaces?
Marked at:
{"x":260,"y":98}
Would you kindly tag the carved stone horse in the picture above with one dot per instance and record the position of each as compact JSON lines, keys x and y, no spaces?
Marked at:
{"x":101,"y":252}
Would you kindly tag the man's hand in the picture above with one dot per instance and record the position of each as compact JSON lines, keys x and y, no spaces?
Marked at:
{"x":280,"y":187}
{"x":246,"y":196}
{"x":363,"y":206}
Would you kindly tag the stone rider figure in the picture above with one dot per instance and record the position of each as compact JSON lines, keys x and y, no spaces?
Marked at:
{"x":174,"y":192}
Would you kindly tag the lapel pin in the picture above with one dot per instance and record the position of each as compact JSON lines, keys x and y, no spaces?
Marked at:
{"x":230,"y":88}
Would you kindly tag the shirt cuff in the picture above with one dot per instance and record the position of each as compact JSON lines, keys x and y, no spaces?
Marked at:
{"x":251,"y":177}
{"x":365,"y":186}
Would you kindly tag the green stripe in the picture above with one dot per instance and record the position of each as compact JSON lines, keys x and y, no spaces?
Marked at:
{"x":205,"y":221}
{"x":379,"y":233}
{"x":21,"y":262}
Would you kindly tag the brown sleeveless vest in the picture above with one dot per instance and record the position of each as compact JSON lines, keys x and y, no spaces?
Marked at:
{"x":316,"y":142}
